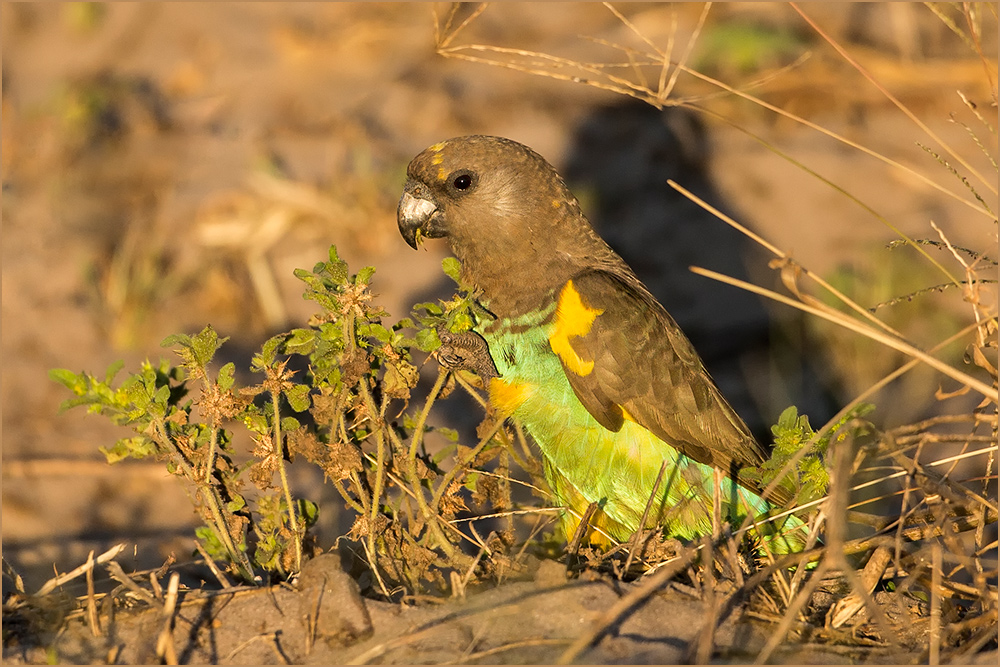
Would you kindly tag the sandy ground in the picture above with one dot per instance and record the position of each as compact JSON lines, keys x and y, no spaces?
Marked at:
{"x":148,"y":147}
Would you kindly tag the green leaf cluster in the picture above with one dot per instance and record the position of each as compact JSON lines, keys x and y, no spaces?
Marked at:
{"x":154,"y":403}
{"x":334,"y":412}
{"x":458,"y":314}
{"x":809,"y":476}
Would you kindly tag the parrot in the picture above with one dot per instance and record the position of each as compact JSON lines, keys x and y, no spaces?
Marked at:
{"x":574,"y":347}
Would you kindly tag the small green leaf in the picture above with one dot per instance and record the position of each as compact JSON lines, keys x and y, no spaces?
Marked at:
{"x":364,"y":275}
{"x":429,"y":308}
{"x":427,"y":340}
{"x":375,"y":330}
{"x":452,"y":268}
{"x":138,"y":447}
{"x":787,"y":421}
{"x":267,"y":353}
{"x":113,"y":370}
{"x":462,"y":322}
{"x":298,"y":397}
{"x":309,"y":511}
{"x":332,"y":333}
{"x":445,"y":452}
{"x":176,"y":339}
{"x":226,"y":373}
{"x":471,"y":481}
{"x":302,"y":341}
{"x":75,"y":383}
{"x":256,"y":422}
{"x":162,"y":395}
{"x":336,"y":268}
{"x":236,"y":504}
{"x":205,"y":344}
{"x":213,"y":545}
{"x":136,"y":392}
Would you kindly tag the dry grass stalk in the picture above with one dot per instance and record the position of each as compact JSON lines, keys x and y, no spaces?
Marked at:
{"x":989,"y":183}
{"x":166,"y":651}
{"x":706,"y":638}
{"x":219,"y":575}
{"x":479,"y":655}
{"x":935,"y":632}
{"x":154,"y":583}
{"x":845,"y":608}
{"x":61,"y":579}
{"x":582,"y":528}
{"x":271,"y":637}
{"x":987,"y":391}
{"x":118,"y":574}
{"x":637,"y":535}
{"x":92,"y":619}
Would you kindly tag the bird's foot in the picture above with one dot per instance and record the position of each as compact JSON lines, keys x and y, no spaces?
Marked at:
{"x":466,"y":351}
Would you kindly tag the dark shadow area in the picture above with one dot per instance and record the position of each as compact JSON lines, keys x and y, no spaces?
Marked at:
{"x":618,"y":165}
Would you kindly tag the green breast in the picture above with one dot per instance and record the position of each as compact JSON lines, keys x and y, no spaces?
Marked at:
{"x":617,"y":469}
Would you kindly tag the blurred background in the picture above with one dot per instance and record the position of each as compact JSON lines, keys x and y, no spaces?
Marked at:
{"x":167,"y":166}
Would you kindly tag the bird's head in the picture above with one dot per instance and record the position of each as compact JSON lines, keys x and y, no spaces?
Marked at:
{"x":506,"y":213}
{"x":480,"y":189}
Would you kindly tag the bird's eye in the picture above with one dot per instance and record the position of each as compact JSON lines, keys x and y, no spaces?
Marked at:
{"x":462,"y":180}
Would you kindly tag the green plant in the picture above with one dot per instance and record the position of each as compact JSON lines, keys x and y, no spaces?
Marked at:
{"x":797,"y":445}
{"x":407,"y":498}
{"x":335,"y":415}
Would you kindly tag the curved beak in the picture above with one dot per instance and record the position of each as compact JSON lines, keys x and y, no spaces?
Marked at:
{"x":415,"y":215}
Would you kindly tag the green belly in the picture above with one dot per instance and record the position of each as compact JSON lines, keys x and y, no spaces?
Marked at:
{"x":586,"y":463}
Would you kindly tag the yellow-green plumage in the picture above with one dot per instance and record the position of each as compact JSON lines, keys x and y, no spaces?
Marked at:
{"x":586,"y":463}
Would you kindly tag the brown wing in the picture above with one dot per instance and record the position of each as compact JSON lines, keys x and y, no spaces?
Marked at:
{"x":632,"y":361}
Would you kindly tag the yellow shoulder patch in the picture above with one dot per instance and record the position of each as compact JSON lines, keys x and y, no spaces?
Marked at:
{"x":573,"y":319}
{"x":506,"y":397}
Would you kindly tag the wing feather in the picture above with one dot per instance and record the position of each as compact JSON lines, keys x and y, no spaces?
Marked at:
{"x":645,"y":369}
